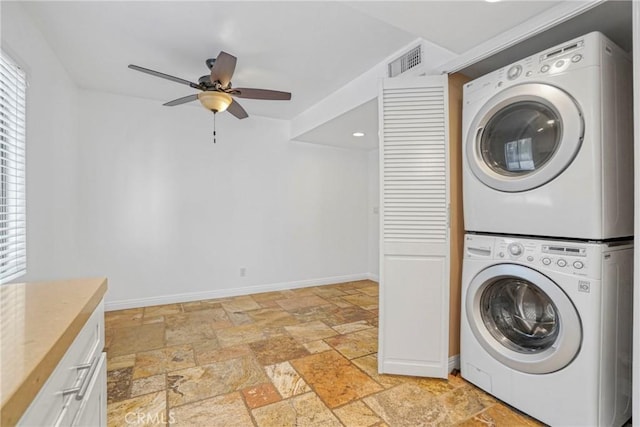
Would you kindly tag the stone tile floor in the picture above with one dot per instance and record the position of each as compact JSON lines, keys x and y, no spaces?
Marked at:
{"x":303,"y":357}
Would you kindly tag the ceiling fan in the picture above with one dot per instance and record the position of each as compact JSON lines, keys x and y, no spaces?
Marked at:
{"x":216,"y":91}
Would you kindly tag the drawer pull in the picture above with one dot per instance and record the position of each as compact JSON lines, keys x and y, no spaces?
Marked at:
{"x":81,"y":390}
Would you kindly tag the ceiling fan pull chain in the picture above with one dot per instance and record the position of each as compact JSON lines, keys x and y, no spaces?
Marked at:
{"x":214,"y":127}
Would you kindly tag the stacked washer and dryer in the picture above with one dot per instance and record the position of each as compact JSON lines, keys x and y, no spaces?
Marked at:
{"x":548,"y":209}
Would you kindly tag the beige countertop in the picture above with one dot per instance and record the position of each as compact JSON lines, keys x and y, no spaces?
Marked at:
{"x":38,"y":323}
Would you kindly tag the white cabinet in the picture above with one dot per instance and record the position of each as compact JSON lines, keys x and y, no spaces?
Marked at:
{"x":75,"y":394}
{"x":414,"y":227}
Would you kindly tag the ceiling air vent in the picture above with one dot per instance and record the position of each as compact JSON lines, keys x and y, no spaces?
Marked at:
{"x":406,"y":61}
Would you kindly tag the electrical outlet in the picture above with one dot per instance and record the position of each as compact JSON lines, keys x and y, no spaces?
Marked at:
{"x":243,"y":271}
{"x":376,"y":209}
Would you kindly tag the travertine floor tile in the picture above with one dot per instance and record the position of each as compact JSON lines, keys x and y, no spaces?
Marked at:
{"x":135,"y":339}
{"x":245,"y":334}
{"x":286,"y":380}
{"x":145,"y":410}
{"x":221,"y":411}
{"x":164,"y":360}
{"x":207,"y":355}
{"x":260,"y":395}
{"x":305,"y":301}
{"x":334,"y":378}
{"x":119,"y":362}
{"x":408,"y":405}
{"x":305,"y":410}
{"x":244,"y":303}
{"x":162,"y":310}
{"x":311,"y":331}
{"x":119,"y":384}
{"x":347,"y":328}
{"x":200,"y":382}
{"x":277,"y":349}
{"x":123,"y":318}
{"x":316,"y":346}
{"x":272,"y":317}
{"x":357,"y":414}
{"x":465,"y":402}
{"x":301,"y":357}
{"x":369,"y":364}
{"x":356,"y":344}
{"x":365,"y":301}
{"x":499,"y":415}
{"x":148,"y":385}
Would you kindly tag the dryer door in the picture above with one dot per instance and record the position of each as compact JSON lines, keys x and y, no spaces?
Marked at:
{"x":523,"y":319}
{"x":524,"y":137}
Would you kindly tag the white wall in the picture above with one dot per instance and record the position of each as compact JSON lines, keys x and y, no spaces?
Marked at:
{"x":168,"y":215}
{"x":52,"y":116}
{"x":128,"y":189}
{"x":373,"y":161}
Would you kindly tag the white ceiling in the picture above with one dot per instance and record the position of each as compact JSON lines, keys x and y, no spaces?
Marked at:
{"x":309,"y":48}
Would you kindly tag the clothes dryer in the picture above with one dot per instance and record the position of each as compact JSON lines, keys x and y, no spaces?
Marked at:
{"x":548,"y":144}
{"x":546,"y":326}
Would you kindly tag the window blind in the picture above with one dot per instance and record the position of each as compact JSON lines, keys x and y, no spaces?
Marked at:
{"x":13,"y":88}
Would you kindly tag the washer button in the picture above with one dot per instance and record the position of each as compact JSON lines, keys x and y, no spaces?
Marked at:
{"x":578,"y":264}
{"x":530,"y":258}
{"x":546,"y":261}
{"x":544,"y":68}
{"x":576,"y":58}
{"x":529,"y":73}
{"x":560,"y":63}
{"x":561,"y":263}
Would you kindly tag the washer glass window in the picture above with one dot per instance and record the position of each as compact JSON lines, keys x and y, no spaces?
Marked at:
{"x":520,"y":138}
{"x":519,"y":315}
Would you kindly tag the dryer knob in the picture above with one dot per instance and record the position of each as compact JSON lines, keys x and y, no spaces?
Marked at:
{"x":515,"y":249}
{"x":546,"y":261}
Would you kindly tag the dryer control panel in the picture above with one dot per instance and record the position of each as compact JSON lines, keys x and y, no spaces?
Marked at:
{"x":577,"y":258}
{"x":580,"y":52}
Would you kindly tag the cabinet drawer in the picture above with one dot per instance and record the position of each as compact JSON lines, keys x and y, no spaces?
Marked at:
{"x":92,"y":409}
{"x":56,"y":403}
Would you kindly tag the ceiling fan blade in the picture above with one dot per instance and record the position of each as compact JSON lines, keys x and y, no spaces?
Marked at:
{"x":164,"y":76}
{"x":223,"y":68}
{"x":237,"y":110}
{"x":182,"y":100}
{"x":242,"y":92}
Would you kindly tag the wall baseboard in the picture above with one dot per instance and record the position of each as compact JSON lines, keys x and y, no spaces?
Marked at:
{"x":373,"y":277}
{"x":454,"y":362}
{"x":231,"y":292}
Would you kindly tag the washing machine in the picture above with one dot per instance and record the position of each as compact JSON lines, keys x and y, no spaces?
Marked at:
{"x":546,"y":326}
{"x":548,"y":144}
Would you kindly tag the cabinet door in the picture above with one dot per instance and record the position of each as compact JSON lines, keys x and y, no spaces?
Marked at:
{"x":414,"y":197}
{"x":93,"y":409}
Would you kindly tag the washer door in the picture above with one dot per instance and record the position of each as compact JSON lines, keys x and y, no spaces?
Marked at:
{"x":524,"y":137}
{"x":523,"y":319}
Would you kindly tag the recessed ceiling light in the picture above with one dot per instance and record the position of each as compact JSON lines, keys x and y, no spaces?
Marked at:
{"x":358,"y":134}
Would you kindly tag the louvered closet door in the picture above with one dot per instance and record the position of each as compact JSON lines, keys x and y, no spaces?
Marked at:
{"x":414,"y":267}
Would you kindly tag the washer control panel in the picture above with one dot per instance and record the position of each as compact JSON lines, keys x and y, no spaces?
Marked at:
{"x":566,"y":257}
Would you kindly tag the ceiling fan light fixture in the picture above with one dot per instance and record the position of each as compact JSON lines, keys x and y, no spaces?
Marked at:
{"x":215,"y":101}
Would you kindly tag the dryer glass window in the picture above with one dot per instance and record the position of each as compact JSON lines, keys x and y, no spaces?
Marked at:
{"x":520,"y":138}
{"x":519,"y":315}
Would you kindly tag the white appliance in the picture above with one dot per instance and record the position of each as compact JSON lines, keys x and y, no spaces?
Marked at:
{"x":546,"y":326}
{"x":548,"y":144}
